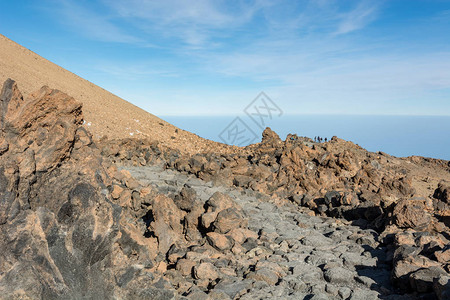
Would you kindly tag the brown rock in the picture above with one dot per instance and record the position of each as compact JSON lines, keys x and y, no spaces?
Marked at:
{"x":264,"y":274}
{"x":147,"y":247}
{"x":229,"y":219}
{"x":126,"y":174}
{"x":411,"y":214}
{"x":11,"y":100}
{"x":208,"y":218}
{"x":145,"y":191}
{"x":206,"y":271}
{"x":219,"y":241}
{"x":443,"y":256}
{"x":399,"y":186}
{"x":270,"y":137}
{"x":125,"y":198}
{"x":196,"y":163}
{"x":131,"y":183}
{"x":271,"y":266}
{"x":167,"y":222}
{"x":185,"y":266}
{"x":215,"y":204}
{"x":242,"y":181}
{"x":47,"y":120}
{"x":162,"y":267}
{"x":218,"y":202}
{"x":191,"y":225}
{"x":4,"y":146}
{"x":240,"y":235}
{"x":238,"y":249}
{"x":187,"y":199}
{"x":405,"y":267}
{"x":165,"y":209}
{"x":405,"y":238}
{"x":117,"y":190}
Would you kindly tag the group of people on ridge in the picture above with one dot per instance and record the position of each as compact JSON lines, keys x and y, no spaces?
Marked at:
{"x":318,"y":139}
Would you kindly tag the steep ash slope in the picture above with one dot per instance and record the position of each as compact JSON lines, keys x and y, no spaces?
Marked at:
{"x":104,"y":112}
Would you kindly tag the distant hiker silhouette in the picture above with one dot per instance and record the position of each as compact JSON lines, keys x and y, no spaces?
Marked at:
{"x":325,"y":140}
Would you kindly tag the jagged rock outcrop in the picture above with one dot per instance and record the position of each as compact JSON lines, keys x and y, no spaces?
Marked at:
{"x":37,"y":134}
{"x":53,"y":242}
{"x":63,"y":236}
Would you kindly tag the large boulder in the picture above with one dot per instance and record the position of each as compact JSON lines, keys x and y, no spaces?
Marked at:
{"x":422,"y":280}
{"x":166,"y":225}
{"x":215,"y":204}
{"x":36,"y":134}
{"x":45,"y":123}
{"x":62,"y":234}
{"x":411,"y":214}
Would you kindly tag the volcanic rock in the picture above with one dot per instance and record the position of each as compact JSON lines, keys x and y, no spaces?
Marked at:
{"x":132,"y":218}
{"x":411,"y":214}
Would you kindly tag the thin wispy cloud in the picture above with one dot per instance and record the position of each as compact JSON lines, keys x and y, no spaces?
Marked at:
{"x":136,"y":71}
{"x":195,"y":23}
{"x":333,"y":53}
{"x":173,"y":11}
{"x":359,"y":17}
{"x":203,"y":22}
{"x":90,"y":23}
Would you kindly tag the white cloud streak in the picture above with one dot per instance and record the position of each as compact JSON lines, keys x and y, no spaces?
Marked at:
{"x":359,"y":17}
{"x":193,"y":22}
{"x":89,"y":23}
{"x":311,"y":50}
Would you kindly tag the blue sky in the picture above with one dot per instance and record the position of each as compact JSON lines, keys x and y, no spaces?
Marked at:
{"x":204,"y":57}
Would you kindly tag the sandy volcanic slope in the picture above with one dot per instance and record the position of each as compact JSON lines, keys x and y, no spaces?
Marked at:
{"x":105,"y":113}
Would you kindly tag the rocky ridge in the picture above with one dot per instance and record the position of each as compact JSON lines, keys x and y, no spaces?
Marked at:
{"x":134,"y":219}
{"x":336,"y":179}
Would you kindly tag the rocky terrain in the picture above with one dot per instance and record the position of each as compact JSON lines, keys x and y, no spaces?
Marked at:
{"x":402,"y":201}
{"x":138,"y":219}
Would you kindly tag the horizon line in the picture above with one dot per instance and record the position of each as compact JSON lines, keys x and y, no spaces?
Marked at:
{"x":305,"y":114}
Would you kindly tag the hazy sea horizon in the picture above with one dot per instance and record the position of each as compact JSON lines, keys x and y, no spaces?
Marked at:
{"x":401,"y":136}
